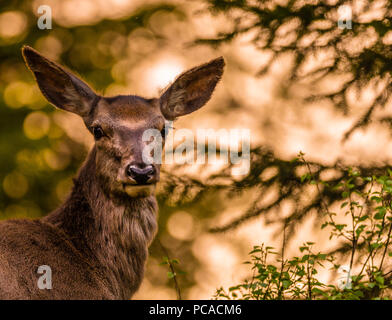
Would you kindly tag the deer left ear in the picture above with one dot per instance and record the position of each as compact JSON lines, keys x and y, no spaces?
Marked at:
{"x":192,"y":89}
{"x":60,"y":87}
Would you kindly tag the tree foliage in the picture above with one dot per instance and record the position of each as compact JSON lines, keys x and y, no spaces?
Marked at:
{"x":308,"y":29}
{"x":367,"y":235}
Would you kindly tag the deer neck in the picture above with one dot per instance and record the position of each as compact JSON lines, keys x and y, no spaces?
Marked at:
{"x":114,"y":232}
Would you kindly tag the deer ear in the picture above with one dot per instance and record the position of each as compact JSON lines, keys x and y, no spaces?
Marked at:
{"x":60,"y":87}
{"x":192,"y":89}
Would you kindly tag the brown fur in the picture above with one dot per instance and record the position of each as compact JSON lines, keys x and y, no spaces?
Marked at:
{"x":96,"y":242}
{"x":95,"y":247}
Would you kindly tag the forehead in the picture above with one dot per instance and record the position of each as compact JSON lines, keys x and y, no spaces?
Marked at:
{"x":129,"y":109}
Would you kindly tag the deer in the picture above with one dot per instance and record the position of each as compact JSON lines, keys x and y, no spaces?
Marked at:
{"x":96,"y":242}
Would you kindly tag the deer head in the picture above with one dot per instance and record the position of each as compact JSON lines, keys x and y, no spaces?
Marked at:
{"x":117,"y":123}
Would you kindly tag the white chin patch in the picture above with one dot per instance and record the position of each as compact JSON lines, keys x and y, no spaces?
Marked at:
{"x":139,"y":191}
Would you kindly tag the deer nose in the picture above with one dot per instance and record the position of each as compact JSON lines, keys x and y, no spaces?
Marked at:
{"x":140,"y":173}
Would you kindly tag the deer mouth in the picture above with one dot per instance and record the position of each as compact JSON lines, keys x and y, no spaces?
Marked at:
{"x":139,"y":190}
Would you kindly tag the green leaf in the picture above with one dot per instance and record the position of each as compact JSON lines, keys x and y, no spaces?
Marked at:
{"x":165,"y":260}
{"x":376,"y":245}
{"x":375,"y":198}
{"x":294,"y":160}
{"x":363,"y":218}
{"x":305,"y":258}
{"x":318,"y":291}
{"x":380,"y":279}
{"x":340,"y":227}
{"x":380,"y":214}
{"x":360,"y":229}
{"x":344,"y":204}
{"x":306,"y":176}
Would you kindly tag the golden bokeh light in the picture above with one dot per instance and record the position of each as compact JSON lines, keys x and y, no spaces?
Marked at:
{"x":29,"y":161}
{"x":55,"y":161}
{"x":141,"y":40}
{"x":50,"y":46}
{"x":24,"y":209}
{"x":181,"y":225}
{"x":63,"y":188}
{"x":12,"y":24}
{"x":15,"y":185}
{"x":15,"y":211}
{"x":36,"y":125}
{"x":162,"y":73}
{"x":18,"y":94}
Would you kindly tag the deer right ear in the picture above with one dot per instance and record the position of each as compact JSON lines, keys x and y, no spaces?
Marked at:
{"x":192,"y":89}
{"x":60,"y":87}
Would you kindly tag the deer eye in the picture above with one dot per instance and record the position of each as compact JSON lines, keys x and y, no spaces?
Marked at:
{"x":166,"y":129}
{"x":164,"y":132}
{"x":98,"y":133}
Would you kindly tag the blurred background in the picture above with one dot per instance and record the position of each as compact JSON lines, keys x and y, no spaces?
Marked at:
{"x":293,"y":77}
